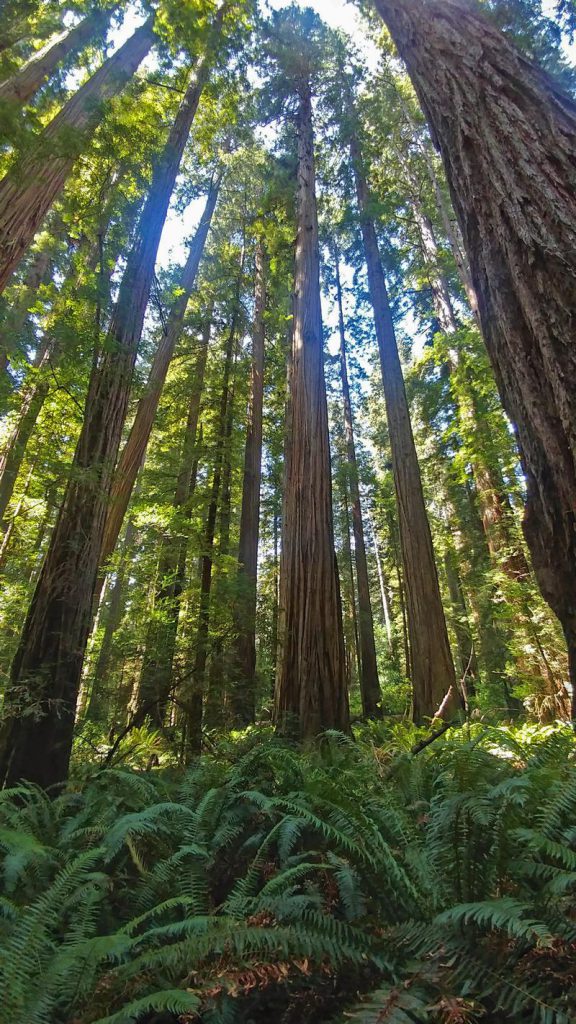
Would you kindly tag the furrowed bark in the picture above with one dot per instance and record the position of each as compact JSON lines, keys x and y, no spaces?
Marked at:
{"x":433,"y":676}
{"x":47,"y":668}
{"x":507,"y":135}
{"x":311,"y":684}
{"x":33,"y":184}
{"x":369,"y":682}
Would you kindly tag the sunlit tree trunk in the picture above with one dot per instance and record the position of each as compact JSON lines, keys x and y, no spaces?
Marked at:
{"x":135,"y":448}
{"x":433,"y":677}
{"x":244,"y":658}
{"x":29,"y":190}
{"x":311,"y":684}
{"x":25,"y":83}
{"x":369,"y":682}
{"x":507,"y":136}
{"x":47,"y":668}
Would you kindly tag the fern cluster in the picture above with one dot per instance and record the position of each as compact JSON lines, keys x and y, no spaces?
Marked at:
{"x":280,"y":885}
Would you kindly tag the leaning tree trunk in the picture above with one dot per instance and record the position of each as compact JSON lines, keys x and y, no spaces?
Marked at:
{"x":156,"y":674}
{"x":25,"y":83}
{"x":433,"y":676}
{"x":507,"y":136}
{"x":16,"y":315}
{"x":369,"y":682}
{"x":311,"y":684}
{"x":29,"y":190}
{"x":135,"y":448}
{"x":243,"y":695}
{"x":48,"y":664}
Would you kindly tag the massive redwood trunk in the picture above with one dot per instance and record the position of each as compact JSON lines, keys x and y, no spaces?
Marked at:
{"x":134,"y":450}
{"x":507,"y":136}
{"x":369,"y":682}
{"x":29,"y":190}
{"x":433,"y":676}
{"x":24,"y":83}
{"x":311,"y":684}
{"x":48,"y":664}
{"x":244,"y":662}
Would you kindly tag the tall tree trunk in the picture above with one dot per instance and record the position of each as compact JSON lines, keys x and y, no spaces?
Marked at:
{"x":16,"y":314}
{"x":467,"y":660}
{"x":433,"y":677}
{"x":243,"y":694}
{"x":133,"y":452}
{"x":156,"y":674}
{"x":369,"y":682}
{"x":194,"y":691}
{"x":29,"y":190}
{"x":311,"y":684}
{"x":507,"y":136}
{"x":24,"y":83}
{"x":48,"y":664}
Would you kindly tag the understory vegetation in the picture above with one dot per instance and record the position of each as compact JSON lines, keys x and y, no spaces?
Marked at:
{"x":366,"y":881}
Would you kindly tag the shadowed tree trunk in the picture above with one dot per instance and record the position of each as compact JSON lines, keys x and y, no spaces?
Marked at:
{"x":29,"y":190}
{"x":24,"y":83}
{"x":311,"y":684}
{"x":134,"y":450}
{"x":156,"y":675}
{"x":244,"y":659}
{"x":193,"y":692}
{"x":433,"y":677}
{"x":507,"y":136}
{"x":369,"y":682}
{"x":48,"y":664}
{"x":16,"y":315}
{"x":467,"y":660}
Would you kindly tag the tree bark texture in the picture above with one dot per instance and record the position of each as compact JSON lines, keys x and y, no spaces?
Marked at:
{"x":47,"y":668}
{"x":30,"y":188}
{"x":135,"y":448}
{"x":311,"y":684}
{"x":507,"y":135}
{"x":433,"y":676}
{"x":25,"y":83}
{"x":244,"y":659}
{"x":369,"y":682}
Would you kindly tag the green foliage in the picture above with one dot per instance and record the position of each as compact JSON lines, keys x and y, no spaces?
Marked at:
{"x":268,"y":881}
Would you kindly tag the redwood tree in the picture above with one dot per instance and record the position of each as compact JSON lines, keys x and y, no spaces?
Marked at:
{"x":47,"y":667}
{"x":507,"y":135}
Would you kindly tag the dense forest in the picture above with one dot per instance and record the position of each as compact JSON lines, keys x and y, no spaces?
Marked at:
{"x":287,"y":512}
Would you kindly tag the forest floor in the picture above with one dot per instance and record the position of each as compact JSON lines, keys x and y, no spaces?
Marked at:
{"x":358,"y":881}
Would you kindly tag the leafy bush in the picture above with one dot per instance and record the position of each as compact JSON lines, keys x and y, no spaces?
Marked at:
{"x":277,"y":885}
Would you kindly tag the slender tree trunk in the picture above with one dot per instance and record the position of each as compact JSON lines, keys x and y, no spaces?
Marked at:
{"x":156,"y":674}
{"x":194,"y":692}
{"x":243,"y":696}
{"x":133,"y":452}
{"x":369,"y":682}
{"x":507,"y":136}
{"x":26,"y":82}
{"x":13,"y":455}
{"x":433,"y":677}
{"x":29,"y":190}
{"x":311,"y":685}
{"x":383,"y":592}
{"x":16,"y":314}
{"x":467,"y":660}
{"x":48,"y":664}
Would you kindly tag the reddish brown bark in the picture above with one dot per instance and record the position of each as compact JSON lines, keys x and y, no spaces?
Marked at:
{"x":507,"y":135}
{"x":311,"y":684}
{"x":433,"y":677}
{"x":29,"y":190}
{"x":369,"y":682}
{"x":47,"y":668}
{"x":135,"y":448}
